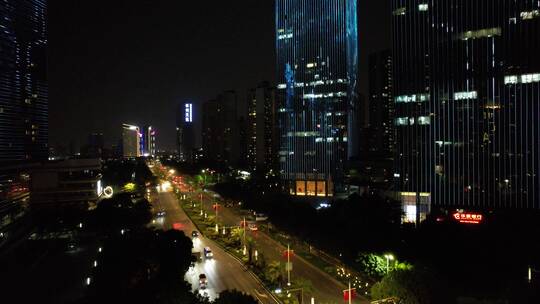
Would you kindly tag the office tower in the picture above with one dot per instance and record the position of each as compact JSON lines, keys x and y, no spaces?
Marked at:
{"x":262,"y":127}
{"x":131,"y":141}
{"x":224,"y":130}
{"x":466,"y":83}
{"x":209,"y":131}
{"x":381,"y":104}
{"x":94,"y":147}
{"x":149,"y":141}
{"x":317,"y":62}
{"x":23,"y":81}
{"x":185,"y":131}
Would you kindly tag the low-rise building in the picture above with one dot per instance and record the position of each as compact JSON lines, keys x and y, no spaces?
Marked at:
{"x":67,"y":182}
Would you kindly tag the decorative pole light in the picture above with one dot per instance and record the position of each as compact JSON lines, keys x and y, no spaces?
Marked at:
{"x":389,"y":258}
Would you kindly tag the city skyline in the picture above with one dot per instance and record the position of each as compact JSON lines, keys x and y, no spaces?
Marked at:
{"x":82,"y":48}
{"x":270,"y":152}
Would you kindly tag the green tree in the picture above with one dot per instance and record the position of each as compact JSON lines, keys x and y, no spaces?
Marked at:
{"x":413,"y":286}
{"x":305,"y":285}
{"x":234,"y":297}
{"x":371,"y":264}
{"x":250,"y":245}
{"x":274,"y":273}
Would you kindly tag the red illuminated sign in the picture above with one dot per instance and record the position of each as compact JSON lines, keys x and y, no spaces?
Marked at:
{"x":288,"y":254}
{"x":349,"y":293}
{"x":468,"y":217}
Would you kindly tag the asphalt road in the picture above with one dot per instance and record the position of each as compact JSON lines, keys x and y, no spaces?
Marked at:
{"x":222,"y":271}
{"x":327,"y":290}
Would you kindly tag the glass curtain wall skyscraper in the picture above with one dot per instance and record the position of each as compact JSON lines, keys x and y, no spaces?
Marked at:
{"x":317,"y":61}
{"x":467,"y":92}
{"x":23,"y":80}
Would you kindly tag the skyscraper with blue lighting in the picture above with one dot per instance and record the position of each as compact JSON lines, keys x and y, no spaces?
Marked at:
{"x":23,"y":81}
{"x":317,"y":62}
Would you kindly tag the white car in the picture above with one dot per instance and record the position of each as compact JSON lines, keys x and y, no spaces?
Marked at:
{"x":208,"y":253}
{"x":203,"y":282}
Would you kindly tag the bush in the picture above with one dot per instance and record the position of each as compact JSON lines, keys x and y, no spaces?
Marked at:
{"x":411,"y":286}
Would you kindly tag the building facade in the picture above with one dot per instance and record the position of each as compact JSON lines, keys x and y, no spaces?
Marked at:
{"x":224,"y":136}
{"x":262,"y":129}
{"x":131,"y":141}
{"x":149,"y":141}
{"x":466,"y":92}
{"x":317,"y":62}
{"x":381,"y":104}
{"x":185,"y":131}
{"x":23,"y":81}
{"x":75,"y":182}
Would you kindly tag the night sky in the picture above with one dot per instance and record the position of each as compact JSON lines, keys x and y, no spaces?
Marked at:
{"x":115,"y":61}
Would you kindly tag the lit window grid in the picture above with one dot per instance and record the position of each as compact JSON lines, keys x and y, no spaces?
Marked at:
{"x":304,"y":108}
{"x":475,"y":170}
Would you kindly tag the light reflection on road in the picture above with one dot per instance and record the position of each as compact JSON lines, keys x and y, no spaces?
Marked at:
{"x":223,"y":272}
{"x":206,"y":266}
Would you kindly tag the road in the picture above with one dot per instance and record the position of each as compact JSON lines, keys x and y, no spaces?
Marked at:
{"x":223,"y":271}
{"x":327,"y":290}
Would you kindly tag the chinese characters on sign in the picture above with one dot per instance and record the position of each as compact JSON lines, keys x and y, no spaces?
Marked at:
{"x":468,"y":218}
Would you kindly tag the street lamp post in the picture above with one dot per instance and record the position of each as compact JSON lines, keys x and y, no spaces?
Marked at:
{"x":389,"y":258}
{"x":217,"y":227}
{"x":201,"y":205}
{"x":288,"y":265}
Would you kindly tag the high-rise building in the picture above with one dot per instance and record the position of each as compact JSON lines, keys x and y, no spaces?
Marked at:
{"x":149,"y":141}
{"x":23,"y":80}
{"x":131,"y":141}
{"x":317,"y":62}
{"x":262,"y":129}
{"x":224,"y":130}
{"x":466,"y":87}
{"x":94,"y":147}
{"x":381,"y":104}
{"x":185,"y":131}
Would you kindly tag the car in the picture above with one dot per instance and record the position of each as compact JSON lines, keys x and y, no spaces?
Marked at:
{"x":203,"y":282}
{"x":195,"y":234}
{"x":253,"y":227}
{"x":161,"y":213}
{"x":208,"y":253}
{"x":260,"y":217}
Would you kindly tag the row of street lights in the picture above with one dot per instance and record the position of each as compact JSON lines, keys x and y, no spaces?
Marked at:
{"x":244,"y":244}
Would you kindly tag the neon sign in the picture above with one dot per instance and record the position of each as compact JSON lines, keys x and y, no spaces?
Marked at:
{"x":468,"y":217}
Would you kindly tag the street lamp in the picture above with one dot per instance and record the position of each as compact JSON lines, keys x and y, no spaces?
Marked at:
{"x":201,"y":205}
{"x":389,"y":258}
{"x":301,"y":290}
